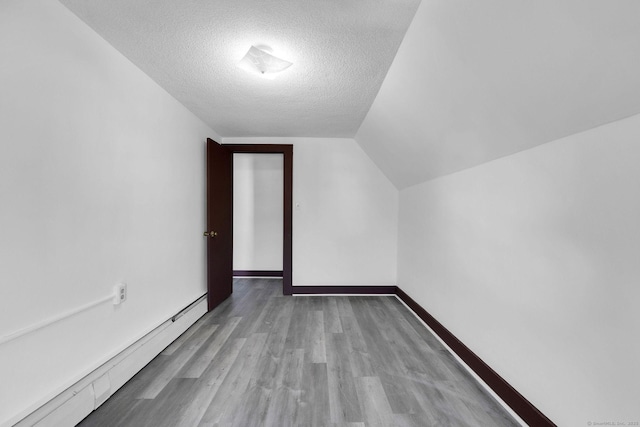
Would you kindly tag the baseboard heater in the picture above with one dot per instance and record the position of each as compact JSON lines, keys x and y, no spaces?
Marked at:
{"x":74,"y":404}
{"x":78,"y":401}
{"x":189,"y":308}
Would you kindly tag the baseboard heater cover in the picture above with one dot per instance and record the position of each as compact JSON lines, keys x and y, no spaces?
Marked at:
{"x":74,"y":404}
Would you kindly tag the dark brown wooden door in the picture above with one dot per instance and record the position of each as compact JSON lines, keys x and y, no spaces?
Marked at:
{"x":219,"y":233}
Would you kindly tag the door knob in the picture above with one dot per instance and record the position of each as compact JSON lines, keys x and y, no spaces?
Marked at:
{"x":211,"y":234}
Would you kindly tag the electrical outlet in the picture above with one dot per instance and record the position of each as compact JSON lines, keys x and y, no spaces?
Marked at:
{"x":119,"y":293}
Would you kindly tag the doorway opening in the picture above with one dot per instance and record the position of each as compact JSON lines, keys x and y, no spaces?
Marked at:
{"x":258,"y":212}
{"x":263,"y":179}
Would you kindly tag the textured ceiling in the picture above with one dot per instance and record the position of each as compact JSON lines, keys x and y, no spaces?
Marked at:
{"x":340,"y":49}
{"x":477,"y":80}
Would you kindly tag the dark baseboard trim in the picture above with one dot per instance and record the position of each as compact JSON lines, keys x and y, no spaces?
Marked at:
{"x":520,"y":405}
{"x":517,"y":402}
{"x":360,"y":290}
{"x":257,"y":273}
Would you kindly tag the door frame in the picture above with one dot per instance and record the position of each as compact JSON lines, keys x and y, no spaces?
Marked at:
{"x":287,"y":230}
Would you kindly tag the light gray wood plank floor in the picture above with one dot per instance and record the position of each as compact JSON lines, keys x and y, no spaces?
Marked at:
{"x":264,"y":359}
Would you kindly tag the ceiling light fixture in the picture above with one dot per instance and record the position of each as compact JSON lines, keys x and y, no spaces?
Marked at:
{"x":259,"y":59}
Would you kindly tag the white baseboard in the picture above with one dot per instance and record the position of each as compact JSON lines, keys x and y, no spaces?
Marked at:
{"x":74,"y":404}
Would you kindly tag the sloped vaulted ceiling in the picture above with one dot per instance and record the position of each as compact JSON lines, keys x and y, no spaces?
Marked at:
{"x":472,"y":80}
{"x":340,"y":49}
{"x":477,"y":80}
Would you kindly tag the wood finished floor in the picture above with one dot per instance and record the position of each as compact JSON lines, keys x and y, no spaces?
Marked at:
{"x":263,"y":359}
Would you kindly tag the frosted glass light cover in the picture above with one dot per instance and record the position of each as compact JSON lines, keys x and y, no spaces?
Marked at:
{"x":263,"y":62}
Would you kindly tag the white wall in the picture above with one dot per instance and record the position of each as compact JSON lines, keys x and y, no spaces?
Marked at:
{"x":345,"y":225}
{"x":532,"y":261}
{"x":101,"y":180}
{"x":258,"y":196}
